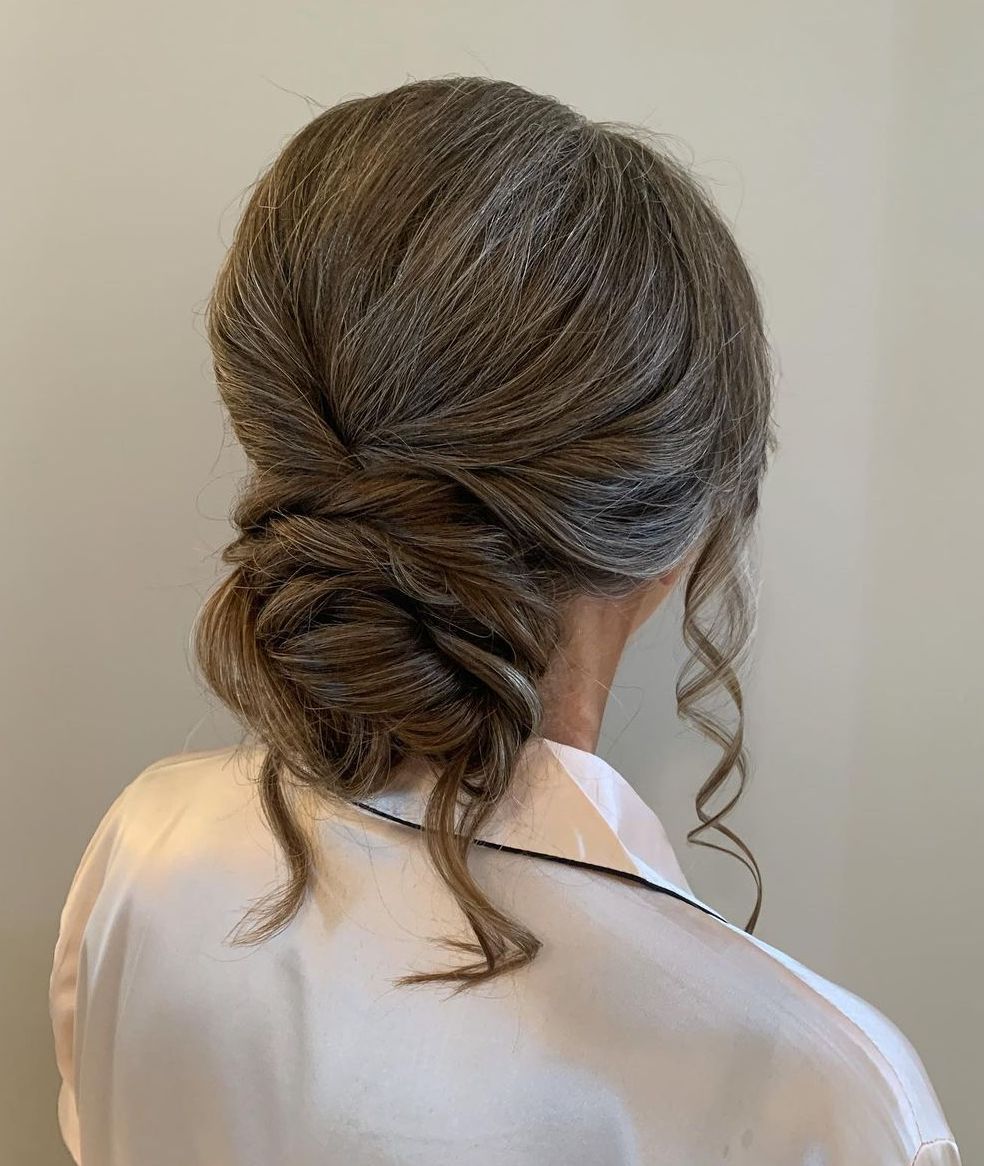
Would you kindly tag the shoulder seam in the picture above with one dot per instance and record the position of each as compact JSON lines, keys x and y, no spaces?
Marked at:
{"x":178,"y":758}
{"x":949,"y":1143}
{"x":869,"y":1040}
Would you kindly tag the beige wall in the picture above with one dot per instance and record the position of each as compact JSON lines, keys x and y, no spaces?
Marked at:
{"x":843,"y":139}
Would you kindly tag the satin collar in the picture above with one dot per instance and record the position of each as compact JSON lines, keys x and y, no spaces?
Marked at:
{"x":563,"y":803}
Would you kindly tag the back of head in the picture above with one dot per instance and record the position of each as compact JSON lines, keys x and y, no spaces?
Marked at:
{"x":484,"y":356}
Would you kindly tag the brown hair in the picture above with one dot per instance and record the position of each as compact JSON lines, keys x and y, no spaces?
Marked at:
{"x":483,"y":355}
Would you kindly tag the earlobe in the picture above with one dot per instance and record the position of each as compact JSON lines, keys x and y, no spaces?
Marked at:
{"x":669,"y":578}
{"x":650,"y":597}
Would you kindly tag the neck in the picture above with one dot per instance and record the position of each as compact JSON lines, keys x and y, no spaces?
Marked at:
{"x":576,"y":687}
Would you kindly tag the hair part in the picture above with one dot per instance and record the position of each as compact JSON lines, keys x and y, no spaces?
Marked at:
{"x":483,"y":355}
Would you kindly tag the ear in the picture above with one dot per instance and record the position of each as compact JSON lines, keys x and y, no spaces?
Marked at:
{"x":669,"y":578}
{"x":650,"y":595}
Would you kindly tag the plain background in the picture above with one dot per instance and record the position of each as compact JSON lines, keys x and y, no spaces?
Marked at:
{"x":843,"y":141}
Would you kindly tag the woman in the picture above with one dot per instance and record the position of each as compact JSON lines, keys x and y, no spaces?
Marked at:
{"x":501,"y":377}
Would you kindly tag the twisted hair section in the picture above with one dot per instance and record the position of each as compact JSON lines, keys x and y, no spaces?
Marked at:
{"x":483,"y":356}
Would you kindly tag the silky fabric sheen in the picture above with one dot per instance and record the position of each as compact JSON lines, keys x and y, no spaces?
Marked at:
{"x":647,"y":1031}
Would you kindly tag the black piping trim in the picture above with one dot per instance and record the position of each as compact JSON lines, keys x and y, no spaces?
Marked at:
{"x":629,"y":876}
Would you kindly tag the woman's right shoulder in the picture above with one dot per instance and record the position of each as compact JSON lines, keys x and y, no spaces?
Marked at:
{"x":830,"y":1058}
{"x":872,"y":1059}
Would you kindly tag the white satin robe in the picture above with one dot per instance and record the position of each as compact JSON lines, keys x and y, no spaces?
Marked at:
{"x":647,"y":1031}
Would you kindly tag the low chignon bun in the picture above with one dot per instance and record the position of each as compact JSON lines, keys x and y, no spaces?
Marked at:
{"x":483,"y":355}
